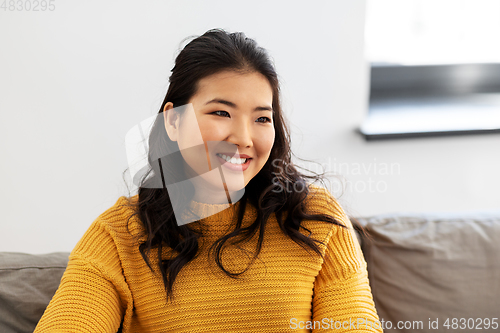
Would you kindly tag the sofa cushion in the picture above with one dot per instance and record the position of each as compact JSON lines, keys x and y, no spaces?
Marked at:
{"x":433,"y":268}
{"x":27,"y":284}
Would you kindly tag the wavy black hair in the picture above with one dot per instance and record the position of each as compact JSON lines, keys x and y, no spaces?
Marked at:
{"x":213,"y":52}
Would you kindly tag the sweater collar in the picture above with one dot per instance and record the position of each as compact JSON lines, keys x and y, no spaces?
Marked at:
{"x":222,"y":220}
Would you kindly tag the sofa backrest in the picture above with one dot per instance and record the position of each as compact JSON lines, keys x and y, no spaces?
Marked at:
{"x":27,"y":284}
{"x":429,"y":271}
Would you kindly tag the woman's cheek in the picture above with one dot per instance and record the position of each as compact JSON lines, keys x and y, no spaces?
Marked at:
{"x":266,"y":141}
{"x":211,"y":131}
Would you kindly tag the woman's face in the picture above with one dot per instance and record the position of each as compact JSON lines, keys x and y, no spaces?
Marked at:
{"x":227,"y":131}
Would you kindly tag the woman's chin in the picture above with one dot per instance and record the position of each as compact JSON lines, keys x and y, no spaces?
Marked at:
{"x":215,"y":192}
{"x":219,"y":198}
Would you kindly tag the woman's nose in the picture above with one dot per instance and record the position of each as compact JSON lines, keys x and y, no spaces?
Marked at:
{"x":241,"y":135}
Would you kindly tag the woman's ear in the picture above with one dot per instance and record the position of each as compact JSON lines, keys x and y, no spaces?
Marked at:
{"x":172,"y":121}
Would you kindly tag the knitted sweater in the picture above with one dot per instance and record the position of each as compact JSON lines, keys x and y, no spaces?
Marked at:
{"x":287,"y":289}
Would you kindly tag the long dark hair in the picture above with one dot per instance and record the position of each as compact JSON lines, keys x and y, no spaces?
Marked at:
{"x":215,"y":51}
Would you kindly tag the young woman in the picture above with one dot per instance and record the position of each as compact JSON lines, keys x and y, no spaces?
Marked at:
{"x":225,"y":235}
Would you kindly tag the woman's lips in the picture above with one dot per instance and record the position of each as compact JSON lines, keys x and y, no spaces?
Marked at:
{"x":235,"y":167}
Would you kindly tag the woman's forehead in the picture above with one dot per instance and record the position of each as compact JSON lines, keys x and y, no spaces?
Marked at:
{"x":233,"y":88}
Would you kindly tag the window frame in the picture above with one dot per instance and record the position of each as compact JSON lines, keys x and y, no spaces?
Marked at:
{"x":415,"y":84}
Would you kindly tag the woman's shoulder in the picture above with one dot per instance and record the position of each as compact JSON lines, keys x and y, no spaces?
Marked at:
{"x":123,"y":208}
{"x":116,"y":228}
{"x":320,"y":200}
{"x":318,"y":192}
{"x":119,"y":219}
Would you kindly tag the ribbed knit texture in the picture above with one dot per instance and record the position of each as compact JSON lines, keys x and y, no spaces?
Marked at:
{"x":108,"y":284}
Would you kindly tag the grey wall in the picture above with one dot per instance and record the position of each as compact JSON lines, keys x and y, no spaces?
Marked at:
{"x":74,"y":80}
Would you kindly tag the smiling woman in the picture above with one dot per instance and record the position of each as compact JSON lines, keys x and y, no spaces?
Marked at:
{"x":257,"y":258}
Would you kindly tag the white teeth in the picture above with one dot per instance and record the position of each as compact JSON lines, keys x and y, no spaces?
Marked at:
{"x":232,"y":160}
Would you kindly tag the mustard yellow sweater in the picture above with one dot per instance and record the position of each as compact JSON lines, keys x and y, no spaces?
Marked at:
{"x":288,"y":289}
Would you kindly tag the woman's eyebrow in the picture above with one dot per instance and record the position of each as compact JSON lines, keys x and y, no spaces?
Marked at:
{"x":221,"y":101}
{"x":233,"y":105}
{"x":263,"y":108}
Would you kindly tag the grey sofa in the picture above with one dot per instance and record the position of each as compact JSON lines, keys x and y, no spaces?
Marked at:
{"x":27,"y":283}
{"x":435,"y":273}
{"x":428,"y":273}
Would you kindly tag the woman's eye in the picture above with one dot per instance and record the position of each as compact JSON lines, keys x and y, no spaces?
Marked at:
{"x":221,"y":113}
{"x":264,"y":120}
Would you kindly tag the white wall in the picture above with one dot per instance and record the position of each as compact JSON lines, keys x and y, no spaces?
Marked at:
{"x":74,"y":80}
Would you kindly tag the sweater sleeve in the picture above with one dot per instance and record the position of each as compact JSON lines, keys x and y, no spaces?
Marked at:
{"x":92,"y":293}
{"x":342,"y":299}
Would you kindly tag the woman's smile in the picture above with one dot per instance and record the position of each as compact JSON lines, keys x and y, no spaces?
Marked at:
{"x":234,"y":162}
